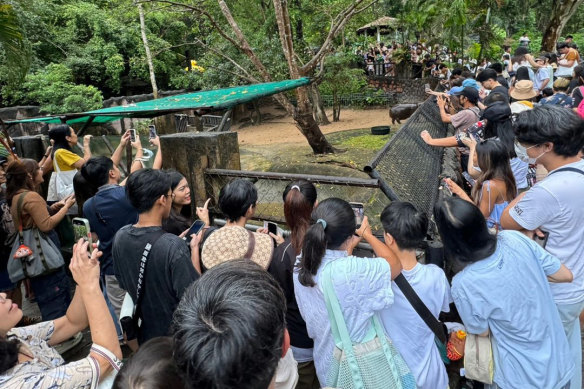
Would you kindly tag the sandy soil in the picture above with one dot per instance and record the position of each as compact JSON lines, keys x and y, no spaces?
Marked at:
{"x":283,"y":130}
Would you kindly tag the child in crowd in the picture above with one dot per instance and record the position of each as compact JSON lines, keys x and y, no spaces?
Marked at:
{"x":404,"y":230}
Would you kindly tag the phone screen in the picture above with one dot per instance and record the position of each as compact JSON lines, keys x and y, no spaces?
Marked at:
{"x":273,"y":228}
{"x":195,"y":228}
{"x":542,"y":241}
{"x":132,"y":135}
{"x":359,"y":213}
{"x":152,"y":130}
{"x":81,"y":231}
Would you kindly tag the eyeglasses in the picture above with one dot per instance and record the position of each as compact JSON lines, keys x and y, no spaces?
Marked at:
{"x":172,"y":195}
{"x":517,"y":143}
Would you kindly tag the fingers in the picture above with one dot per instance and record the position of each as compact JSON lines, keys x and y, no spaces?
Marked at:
{"x":539,"y":233}
{"x":206,"y":206}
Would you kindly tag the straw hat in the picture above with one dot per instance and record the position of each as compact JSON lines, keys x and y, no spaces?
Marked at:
{"x":523,"y":90}
{"x":229,"y":243}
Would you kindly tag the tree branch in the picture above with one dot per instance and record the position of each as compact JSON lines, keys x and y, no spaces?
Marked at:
{"x":338,"y":23}
{"x":248,"y":76}
{"x":283,"y":21}
{"x":171,"y":47}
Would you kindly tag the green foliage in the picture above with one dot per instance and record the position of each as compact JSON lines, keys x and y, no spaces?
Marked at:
{"x":53,"y":89}
{"x":370,"y":142}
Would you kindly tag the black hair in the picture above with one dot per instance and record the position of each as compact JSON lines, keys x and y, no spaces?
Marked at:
{"x":579,"y":72}
{"x":236,"y":197}
{"x":340,"y":225}
{"x":497,"y":67}
{"x":569,"y":37}
{"x":562,"y":45}
{"x":506,"y":56}
{"x":456,"y":71}
{"x":145,"y":186}
{"x":84,"y":190}
{"x":550,"y":123}
{"x":552,"y":57}
{"x":8,"y":354}
{"x":18,"y":177}
{"x":519,"y":55}
{"x":175,"y":178}
{"x":58,"y":135}
{"x":547,"y":92}
{"x":522,"y":74}
{"x":96,"y":170}
{"x":152,"y":367}
{"x":298,"y":205}
{"x":466,"y":73}
{"x":487,"y":74}
{"x":463,"y":230}
{"x":405,"y":223}
{"x":229,"y":328}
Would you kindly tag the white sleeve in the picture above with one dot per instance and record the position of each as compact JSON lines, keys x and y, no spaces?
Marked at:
{"x":535,"y":208}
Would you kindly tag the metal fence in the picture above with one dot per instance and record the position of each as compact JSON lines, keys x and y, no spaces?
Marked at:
{"x":270,"y":187}
{"x":407,"y":164}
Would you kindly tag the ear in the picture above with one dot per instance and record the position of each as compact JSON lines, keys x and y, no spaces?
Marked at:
{"x":389,"y":240}
{"x":250,"y":211}
{"x":548,"y":146}
{"x":285,"y":342}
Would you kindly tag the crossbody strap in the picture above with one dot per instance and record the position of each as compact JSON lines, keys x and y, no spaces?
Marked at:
{"x":142,"y":271}
{"x":18,"y":213}
{"x":434,"y":324}
{"x":250,"y":245}
{"x":568,"y":169}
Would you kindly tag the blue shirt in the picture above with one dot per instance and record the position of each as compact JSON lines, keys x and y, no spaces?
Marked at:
{"x":107,"y":212}
{"x":508,"y":293}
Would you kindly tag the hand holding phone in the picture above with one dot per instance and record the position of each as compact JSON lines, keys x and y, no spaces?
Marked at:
{"x":542,"y":241}
{"x":132,"y":135}
{"x":359,"y":213}
{"x":194,"y":229}
{"x":82,"y":231}
{"x":152,"y":131}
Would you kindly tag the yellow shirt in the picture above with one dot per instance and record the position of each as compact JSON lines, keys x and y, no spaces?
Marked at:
{"x":66,"y":159}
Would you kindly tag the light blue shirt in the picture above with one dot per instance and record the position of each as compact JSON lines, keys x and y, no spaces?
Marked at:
{"x":508,"y":293}
{"x":363,"y":287}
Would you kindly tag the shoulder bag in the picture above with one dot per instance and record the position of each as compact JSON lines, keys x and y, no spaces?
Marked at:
{"x":373,"y":364}
{"x":33,"y":252}
{"x":131,"y":324}
{"x":62,"y":184}
{"x":478,"y":358}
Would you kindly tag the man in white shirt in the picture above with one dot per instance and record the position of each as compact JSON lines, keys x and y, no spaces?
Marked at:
{"x":552,"y":136}
{"x":405,"y":228}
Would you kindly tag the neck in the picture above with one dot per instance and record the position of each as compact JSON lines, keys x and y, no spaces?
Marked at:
{"x":239,"y":222}
{"x":558,"y":161}
{"x":112,"y":181}
{"x":407,"y":259}
{"x":468,"y":105}
{"x":177,"y":207}
{"x":149,"y":219}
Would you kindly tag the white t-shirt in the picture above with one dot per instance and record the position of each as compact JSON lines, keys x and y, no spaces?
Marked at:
{"x":556,"y":205}
{"x":410,"y":335}
{"x":363,"y":287}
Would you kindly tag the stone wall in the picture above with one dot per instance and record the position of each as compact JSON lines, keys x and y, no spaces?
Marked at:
{"x":23,"y":112}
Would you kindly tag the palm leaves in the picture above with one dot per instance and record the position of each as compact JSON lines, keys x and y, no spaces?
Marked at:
{"x":12,"y":44}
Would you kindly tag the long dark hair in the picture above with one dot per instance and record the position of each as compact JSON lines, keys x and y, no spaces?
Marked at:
{"x":493,"y":160}
{"x":463,"y":230}
{"x":340,"y":225}
{"x":17,"y":178}
{"x":299,"y":199}
{"x":522,"y":74}
{"x":519,"y":54}
{"x":500,"y":125}
{"x":58,"y":135}
{"x":8,"y":354}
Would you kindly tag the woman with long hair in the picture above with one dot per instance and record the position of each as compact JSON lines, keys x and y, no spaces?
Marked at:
{"x":299,"y":201}
{"x":501,"y":289}
{"x":22,"y":179}
{"x":362,"y":285}
{"x":495,"y":187}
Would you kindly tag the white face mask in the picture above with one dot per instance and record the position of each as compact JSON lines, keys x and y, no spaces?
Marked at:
{"x":521,"y":153}
{"x":532,"y":161}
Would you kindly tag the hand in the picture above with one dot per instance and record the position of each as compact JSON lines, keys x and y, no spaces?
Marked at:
{"x":531,"y":234}
{"x":86,"y":140}
{"x":426,"y":136}
{"x":454,"y":188}
{"x":85,"y":269}
{"x":69,"y":201}
{"x":278,"y":238}
{"x":469,"y":142}
{"x":482,"y":94}
{"x":137,"y":144}
{"x":49,"y":150}
{"x":155,"y":141}
{"x":440,"y":101}
{"x":203,"y":213}
{"x":196,"y":239}
{"x":364,"y":229}
{"x":125,"y":138}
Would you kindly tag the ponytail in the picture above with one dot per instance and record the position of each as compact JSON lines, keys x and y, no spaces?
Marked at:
{"x":312,"y":252}
{"x":299,"y":199}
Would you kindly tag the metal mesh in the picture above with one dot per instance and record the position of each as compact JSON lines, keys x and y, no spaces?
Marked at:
{"x":407,"y":164}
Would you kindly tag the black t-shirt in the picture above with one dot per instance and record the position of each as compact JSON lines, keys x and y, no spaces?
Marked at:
{"x":169,"y":271}
{"x":576,"y":97}
{"x":176,"y":223}
{"x":282,"y":267}
{"x":501,"y":80}
{"x":499,"y":90}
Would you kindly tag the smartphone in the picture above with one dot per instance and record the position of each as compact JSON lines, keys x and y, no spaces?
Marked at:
{"x":194,"y":229}
{"x":446,"y":188}
{"x":82,"y":231}
{"x":272,"y":227}
{"x":427,"y":88}
{"x":359,"y":213}
{"x":132,"y":135}
{"x":542,"y":241}
{"x":152,"y":131}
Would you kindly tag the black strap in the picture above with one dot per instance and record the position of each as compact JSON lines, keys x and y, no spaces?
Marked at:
{"x":434,"y":324}
{"x":153,"y":238}
{"x":567,"y":169}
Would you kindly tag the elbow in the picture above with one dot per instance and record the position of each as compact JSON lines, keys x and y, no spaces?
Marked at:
{"x":569,"y":276}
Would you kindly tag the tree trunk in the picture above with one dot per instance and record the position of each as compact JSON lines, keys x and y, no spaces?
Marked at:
{"x":147,"y":50}
{"x":336,"y":108}
{"x":318,"y":107}
{"x":562,"y":11}
{"x":308,"y":126}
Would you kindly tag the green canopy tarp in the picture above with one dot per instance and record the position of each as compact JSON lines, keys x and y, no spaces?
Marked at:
{"x":214,"y":99}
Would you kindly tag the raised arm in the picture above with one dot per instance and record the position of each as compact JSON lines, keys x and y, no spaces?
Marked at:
{"x":86,"y":152}
{"x":118,"y":152}
{"x":379,"y":248}
{"x":157,"y":164}
{"x":36,"y":207}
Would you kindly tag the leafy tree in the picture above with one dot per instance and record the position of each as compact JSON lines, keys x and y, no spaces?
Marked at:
{"x":15,"y":52}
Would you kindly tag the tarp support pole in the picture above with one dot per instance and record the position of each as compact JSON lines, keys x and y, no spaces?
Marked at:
{"x":85,"y":125}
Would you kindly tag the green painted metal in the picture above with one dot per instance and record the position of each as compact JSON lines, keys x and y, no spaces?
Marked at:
{"x":213,"y":99}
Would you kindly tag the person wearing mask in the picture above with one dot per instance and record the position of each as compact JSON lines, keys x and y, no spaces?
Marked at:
{"x":553,"y":137}
{"x":362,"y":286}
{"x":405,"y":228}
{"x":23,"y":177}
{"x":504,"y":284}
{"x":170,"y":268}
{"x":28,"y":357}
{"x":299,"y":201}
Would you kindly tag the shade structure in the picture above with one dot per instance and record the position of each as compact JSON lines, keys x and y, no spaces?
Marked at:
{"x":213,"y":99}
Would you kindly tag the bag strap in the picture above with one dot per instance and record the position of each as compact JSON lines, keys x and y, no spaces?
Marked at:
{"x":341,"y":333}
{"x":141,"y":275}
{"x":250,"y":245}
{"x":434,"y":324}
{"x":568,"y":169}
{"x":55,"y":163}
{"x":19,"y":211}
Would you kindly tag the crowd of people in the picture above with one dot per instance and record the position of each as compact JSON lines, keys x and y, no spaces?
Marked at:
{"x":228,"y":307}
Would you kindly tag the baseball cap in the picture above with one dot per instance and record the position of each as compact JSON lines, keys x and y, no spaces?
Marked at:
{"x":472,"y":83}
{"x":455,"y":90}
{"x":470,"y":93}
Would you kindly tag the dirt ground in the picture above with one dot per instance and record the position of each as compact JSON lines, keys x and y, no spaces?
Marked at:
{"x":283,"y":130}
